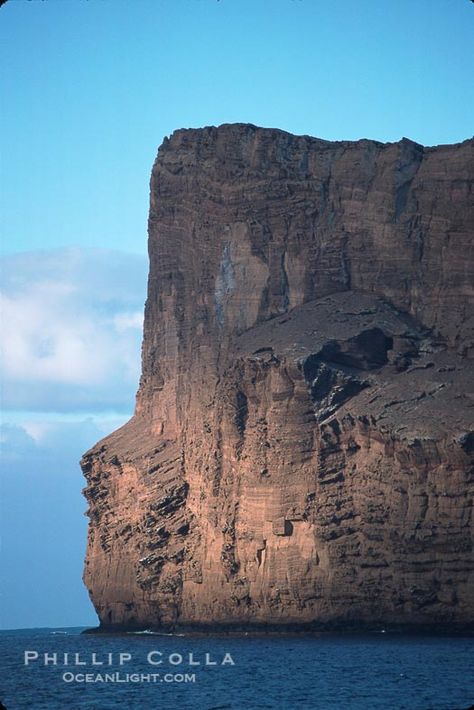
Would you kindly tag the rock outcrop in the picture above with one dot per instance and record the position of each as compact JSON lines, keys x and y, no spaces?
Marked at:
{"x":302,"y":449}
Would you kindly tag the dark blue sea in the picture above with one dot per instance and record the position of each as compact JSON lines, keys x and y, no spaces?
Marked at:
{"x":160,"y":672}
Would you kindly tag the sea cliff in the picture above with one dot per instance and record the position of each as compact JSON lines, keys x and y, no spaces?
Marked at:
{"x":301,"y":453}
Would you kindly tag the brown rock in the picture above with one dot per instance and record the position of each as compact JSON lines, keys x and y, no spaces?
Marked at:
{"x":301,"y":450}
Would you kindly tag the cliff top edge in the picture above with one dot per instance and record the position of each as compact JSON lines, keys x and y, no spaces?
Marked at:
{"x":212,"y":132}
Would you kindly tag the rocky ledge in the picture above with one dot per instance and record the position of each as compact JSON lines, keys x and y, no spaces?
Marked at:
{"x":301,"y":453}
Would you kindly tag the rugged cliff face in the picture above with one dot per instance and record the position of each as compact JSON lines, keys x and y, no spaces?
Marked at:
{"x":301,"y":450}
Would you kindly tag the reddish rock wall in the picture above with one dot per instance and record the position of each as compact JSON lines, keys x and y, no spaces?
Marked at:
{"x":301,"y":449}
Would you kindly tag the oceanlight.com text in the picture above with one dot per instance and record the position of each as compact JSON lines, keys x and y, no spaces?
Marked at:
{"x":69,"y":677}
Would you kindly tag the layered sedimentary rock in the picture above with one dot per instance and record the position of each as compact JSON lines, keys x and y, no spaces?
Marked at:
{"x":302,"y":450}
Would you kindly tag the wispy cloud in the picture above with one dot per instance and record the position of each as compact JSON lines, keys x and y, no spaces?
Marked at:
{"x":71,"y":325}
{"x":71,"y":322}
{"x":43,"y":526}
{"x":50,"y":443}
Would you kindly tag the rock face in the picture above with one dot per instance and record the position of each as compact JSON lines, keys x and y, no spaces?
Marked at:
{"x":301,"y":451}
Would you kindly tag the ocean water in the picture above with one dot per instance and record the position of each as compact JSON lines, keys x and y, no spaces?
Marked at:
{"x":161,"y":672}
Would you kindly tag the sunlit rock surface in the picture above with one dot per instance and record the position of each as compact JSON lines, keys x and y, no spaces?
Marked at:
{"x":301,"y":451}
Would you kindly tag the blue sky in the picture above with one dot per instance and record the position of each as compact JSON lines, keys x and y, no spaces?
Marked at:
{"x":88,"y":91}
{"x":91,"y":88}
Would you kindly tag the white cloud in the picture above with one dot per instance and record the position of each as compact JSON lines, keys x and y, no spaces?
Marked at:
{"x":124,"y":321}
{"x":15,"y":441}
{"x":43,"y":526}
{"x":71,"y":323}
{"x":46,"y":443}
